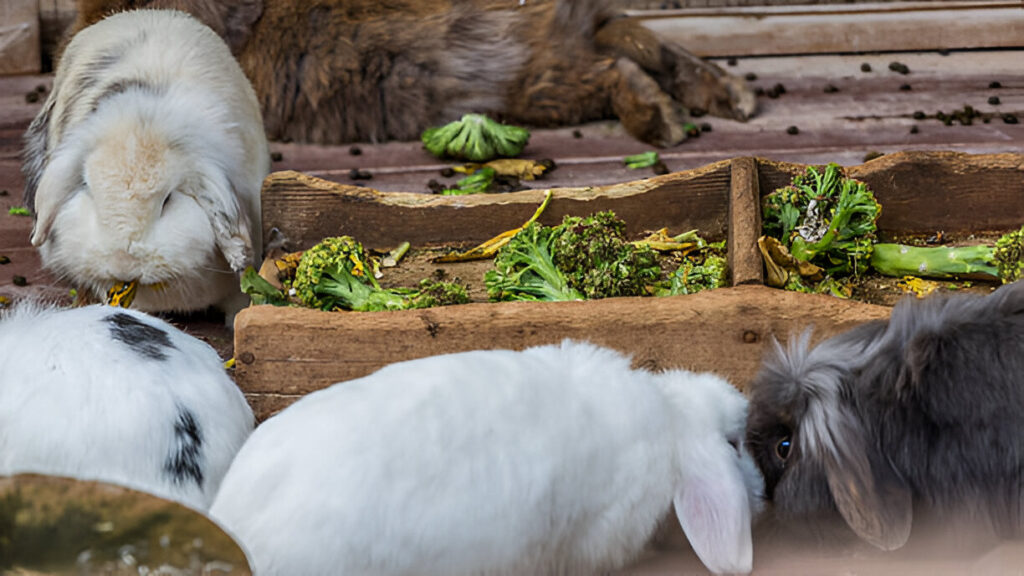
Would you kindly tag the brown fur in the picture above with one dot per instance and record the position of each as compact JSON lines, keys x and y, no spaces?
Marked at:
{"x":331,"y":71}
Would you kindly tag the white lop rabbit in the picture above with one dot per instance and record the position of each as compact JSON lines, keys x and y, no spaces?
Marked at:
{"x":554,"y":460}
{"x":103,"y":393}
{"x":145,"y":164}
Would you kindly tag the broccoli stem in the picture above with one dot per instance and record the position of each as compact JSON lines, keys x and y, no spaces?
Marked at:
{"x":934,"y":262}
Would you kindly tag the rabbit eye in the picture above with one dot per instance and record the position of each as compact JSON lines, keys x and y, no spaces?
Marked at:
{"x":782,"y":448}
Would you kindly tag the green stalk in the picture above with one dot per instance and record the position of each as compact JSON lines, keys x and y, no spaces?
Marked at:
{"x":934,"y":262}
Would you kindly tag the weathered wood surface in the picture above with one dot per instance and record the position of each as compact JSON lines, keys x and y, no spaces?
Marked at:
{"x":52,"y":525}
{"x":283,"y":353}
{"x":745,"y":265}
{"x":924,"y":192}
{"x":307,"y":209}
{"x":19,"y":37}
{"x":865,"y":27}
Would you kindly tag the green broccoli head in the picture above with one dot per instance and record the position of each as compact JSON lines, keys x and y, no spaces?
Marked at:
{"x":824,"y":219}
{"x":433,"y":293}
{"x":1009,"y":256}
{"x":337,"y":274}
{"x":524,"y":269}
{"x":476,"y":138}
{"x":692,"y":277}
{"x":597,"y":261}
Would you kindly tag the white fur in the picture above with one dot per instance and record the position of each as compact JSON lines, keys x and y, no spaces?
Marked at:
{"x":77,"y":402}
{"x":554,"y":460}
{"x":147,"y":107}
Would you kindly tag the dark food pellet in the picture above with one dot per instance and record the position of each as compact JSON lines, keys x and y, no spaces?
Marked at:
{"x":750,"y":76}
{"x":792,"y":130}
{"x":705,"y":127}
{"x":41,"y":88}
{"x":993,"y":100}
{"x":435,"y":186}
{"x":355,"y":150}
{"x":4,"y":260}
{"x":731,"y":61}
{"x":899,"y":67}
{"x":447,"y":172}
{"x":32,"y":97}
{"x":995,"y":84}
{"x":914,"y":130}
{"x":865,"y":67}
{"x":1009,"y":119}
{"x":3,"y":192}
{"x":659,"y":168}
{"x":577,"y":134}
{"x":19,"y":280}
{"x":919,"y":115}
{"x":357,"y":174}
{"x":906,"y":87}
{"x":697,"y":112}
{"x":758,"y":91}
{"x":276,"y":157}
{"x":776,"y":91}
{"x":830,"y":89}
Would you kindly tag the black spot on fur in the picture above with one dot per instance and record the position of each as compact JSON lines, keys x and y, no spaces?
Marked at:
{"x":147,"y":340}
{"x":184,"y":462}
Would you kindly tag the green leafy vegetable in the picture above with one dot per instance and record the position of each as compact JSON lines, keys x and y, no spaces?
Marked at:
{"x":643,"y":160}
{"x":260,"y":291}
{"x":476,"y":138}
{"x":19,"y":211}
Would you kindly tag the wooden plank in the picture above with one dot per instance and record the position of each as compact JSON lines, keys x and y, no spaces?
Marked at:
{"x":307,"y":209}
{"x":284,"y":352}
{"x":19,"y":37}
{"x":745,"y":264}
{"x":922,"y":192}
{"x":773,"y":30}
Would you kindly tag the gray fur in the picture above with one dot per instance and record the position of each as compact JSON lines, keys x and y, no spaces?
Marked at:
{"x":925,"y":408}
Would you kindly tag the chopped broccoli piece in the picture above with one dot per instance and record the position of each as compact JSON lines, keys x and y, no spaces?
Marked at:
{"x":433,"y":293}
{"x":580,"y":258}
{"x":19,"y":211}
{"x":643,"y":160}
{"x":596,"y":259}
{"x":524,"y":269}
{"x":260,"y":291}
{"x":337,"y":274}
{"x":824,"y":219}
{"x":691,"y":277}
{"x":476,"y":138}
{"x":476,"y":183}
{"x":1002,"y":261}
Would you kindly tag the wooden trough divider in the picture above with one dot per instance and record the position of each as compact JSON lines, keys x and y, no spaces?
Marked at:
{"x":284,"y":353}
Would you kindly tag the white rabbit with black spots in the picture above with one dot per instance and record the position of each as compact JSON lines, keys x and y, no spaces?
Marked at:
{"x":103,"y":393}
{"x":553,"y":460}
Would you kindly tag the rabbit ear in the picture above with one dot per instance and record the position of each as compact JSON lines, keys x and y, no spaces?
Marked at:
{"x":714,"y":511}
{"x":870,"y":495}
{"x":58,"y":182}
{"x":231,"y":226}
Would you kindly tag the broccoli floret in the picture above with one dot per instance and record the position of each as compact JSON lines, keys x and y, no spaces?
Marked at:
{"x":337,"y":274}
{"x":597,"y":261}
{"x":1002,"y":261}
{"x":691,"y":277}
{"x":580,"y":258}
{"x":524,"y":269}
{"x":476,"y":138}
{"x":433,"y":293}
{"x":824,"y":219}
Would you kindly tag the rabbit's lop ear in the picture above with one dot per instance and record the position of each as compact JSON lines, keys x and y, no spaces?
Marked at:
{"x":870,"y":495}
{"x":231,"y":226}
{"x":59,"y":181}
{"x":714,"y":510}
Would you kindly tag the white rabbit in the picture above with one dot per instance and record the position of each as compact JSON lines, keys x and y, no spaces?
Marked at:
{"x":103,"y":393}
{"x":145,"y":164}
{"x":554,"y":460}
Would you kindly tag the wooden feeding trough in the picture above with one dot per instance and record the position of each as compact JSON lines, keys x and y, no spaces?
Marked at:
{"x":284,"y":353}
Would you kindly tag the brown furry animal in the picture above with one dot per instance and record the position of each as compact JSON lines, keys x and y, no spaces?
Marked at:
{"x":331,"y":71}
